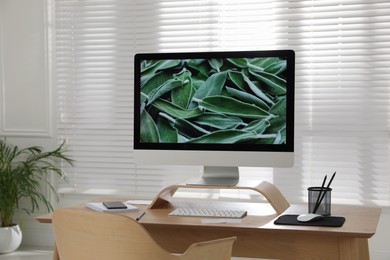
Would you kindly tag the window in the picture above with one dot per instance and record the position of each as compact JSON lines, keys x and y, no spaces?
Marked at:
{"x":342,"y":87}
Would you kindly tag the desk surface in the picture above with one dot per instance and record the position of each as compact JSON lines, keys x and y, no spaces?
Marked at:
{"x":360,"y":221}
{"x":257,"y":235}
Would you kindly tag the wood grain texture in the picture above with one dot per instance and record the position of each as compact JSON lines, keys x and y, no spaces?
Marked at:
{"x":268,"y":190}
{"x":257,"y":235}
{"x":88,"y":235}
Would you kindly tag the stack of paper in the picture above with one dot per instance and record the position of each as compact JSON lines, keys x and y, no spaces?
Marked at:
{"x":98,"y":206}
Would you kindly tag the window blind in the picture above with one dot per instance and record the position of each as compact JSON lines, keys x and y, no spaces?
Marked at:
{"x":342,"y":87}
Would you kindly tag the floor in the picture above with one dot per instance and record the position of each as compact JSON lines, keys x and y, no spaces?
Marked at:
{"x":29,"y":253}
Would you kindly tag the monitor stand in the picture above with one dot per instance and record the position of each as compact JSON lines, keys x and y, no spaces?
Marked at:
{"x":268,"y":190}
{"x":217,"y":176}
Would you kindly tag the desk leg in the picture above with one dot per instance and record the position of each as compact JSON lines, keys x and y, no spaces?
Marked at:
{"x":364,"y":253}
{"x":353,"y":249}
{"x":56,"y":256}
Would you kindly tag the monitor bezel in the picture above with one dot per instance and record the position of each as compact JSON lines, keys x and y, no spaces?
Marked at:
{"x":288,"y":55}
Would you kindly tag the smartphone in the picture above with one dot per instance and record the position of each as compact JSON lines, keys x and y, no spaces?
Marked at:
{"x":114,"y":205}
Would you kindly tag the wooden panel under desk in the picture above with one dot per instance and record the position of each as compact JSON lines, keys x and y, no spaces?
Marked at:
{"x":257,"y":236}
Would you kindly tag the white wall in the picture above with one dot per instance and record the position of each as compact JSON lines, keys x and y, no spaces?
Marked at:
{"x":25,"y":93}
{"x":27,"y":111}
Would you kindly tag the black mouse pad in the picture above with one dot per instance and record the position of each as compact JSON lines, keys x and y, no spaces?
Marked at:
{"x":329,"y":221}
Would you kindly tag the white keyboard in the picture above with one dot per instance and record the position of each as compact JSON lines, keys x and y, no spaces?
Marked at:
{"x":219,"y":213}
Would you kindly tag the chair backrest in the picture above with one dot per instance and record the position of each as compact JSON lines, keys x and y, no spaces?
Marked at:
{"x":88,"y":235}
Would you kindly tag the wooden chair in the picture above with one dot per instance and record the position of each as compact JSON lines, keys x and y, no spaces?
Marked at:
{"x":89,"y":235}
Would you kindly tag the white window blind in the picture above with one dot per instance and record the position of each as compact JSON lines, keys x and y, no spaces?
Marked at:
{"x":342,"y":87}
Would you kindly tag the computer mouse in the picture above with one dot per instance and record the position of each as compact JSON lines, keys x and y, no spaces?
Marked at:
{"x":309,"y":217}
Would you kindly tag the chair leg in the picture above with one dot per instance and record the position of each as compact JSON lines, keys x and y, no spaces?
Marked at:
{"x":55,"y":253}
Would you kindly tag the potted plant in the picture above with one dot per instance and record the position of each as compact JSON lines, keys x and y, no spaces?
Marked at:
{"x":22,"y":172}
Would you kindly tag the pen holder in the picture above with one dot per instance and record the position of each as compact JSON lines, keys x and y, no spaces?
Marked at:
{"x":320,"y":200}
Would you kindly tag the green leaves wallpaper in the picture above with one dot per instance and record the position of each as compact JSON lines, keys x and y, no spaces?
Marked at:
{"x":213,"y":101}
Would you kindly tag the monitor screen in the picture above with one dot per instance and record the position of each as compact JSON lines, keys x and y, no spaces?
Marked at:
{"x":215,"y":108}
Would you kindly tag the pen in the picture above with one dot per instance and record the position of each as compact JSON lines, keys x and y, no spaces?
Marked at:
{"x":320,"y":194}
{"x":323,"y":195}
{"x":140,"y":216}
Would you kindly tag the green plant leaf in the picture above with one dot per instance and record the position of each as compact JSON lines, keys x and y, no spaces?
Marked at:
{"x":22,"y":174}
{"x":216,"y":64}
{"x":238,"y":79}
{"x":277,"y":85}
{"x":185,"y":127}
{"x":277,"y":67}
{"x":239,"y":62}
{"x":158,"y":65}
{"x":167,"y":133}
{"x":200,"y":65}
{"x":143,"y":98}
{"x":225,"y":137}
{"x":148,"y":132}
{"x":189,"y":129}
{"x":258,"y":92}
{"x":281,"y":137}
{"x":218,"y":121}
{"x":280,"y":108}
{"x":156,"y":80}
{"x":155,"y":67}
{"x":176,"y":111}
{"x":245,"y":84}
{"x":278,"y":123}
{"x":182,"y":95}
{"x":231,"y":106}
{"x":197,"y":82}
{"x":258,"y":126}
{"x":212,"y":86}
{"x":247,"y":98}
{"x":164,"y":88}
{"x":261,"y":63}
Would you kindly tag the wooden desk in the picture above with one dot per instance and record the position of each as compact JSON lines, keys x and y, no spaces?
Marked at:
{"x":258,"y":237}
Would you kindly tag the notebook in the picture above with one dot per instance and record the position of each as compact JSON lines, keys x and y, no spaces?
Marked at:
{"x":98,"y":206}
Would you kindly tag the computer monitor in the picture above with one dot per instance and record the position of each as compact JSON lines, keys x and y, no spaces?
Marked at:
{"x":220,"y":110}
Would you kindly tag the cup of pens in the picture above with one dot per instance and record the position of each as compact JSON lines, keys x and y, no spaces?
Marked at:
{"x":320,"y":198}
{"x":316,"y":205}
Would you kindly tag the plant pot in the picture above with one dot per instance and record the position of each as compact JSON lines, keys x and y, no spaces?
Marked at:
{"x":10,"y":239}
